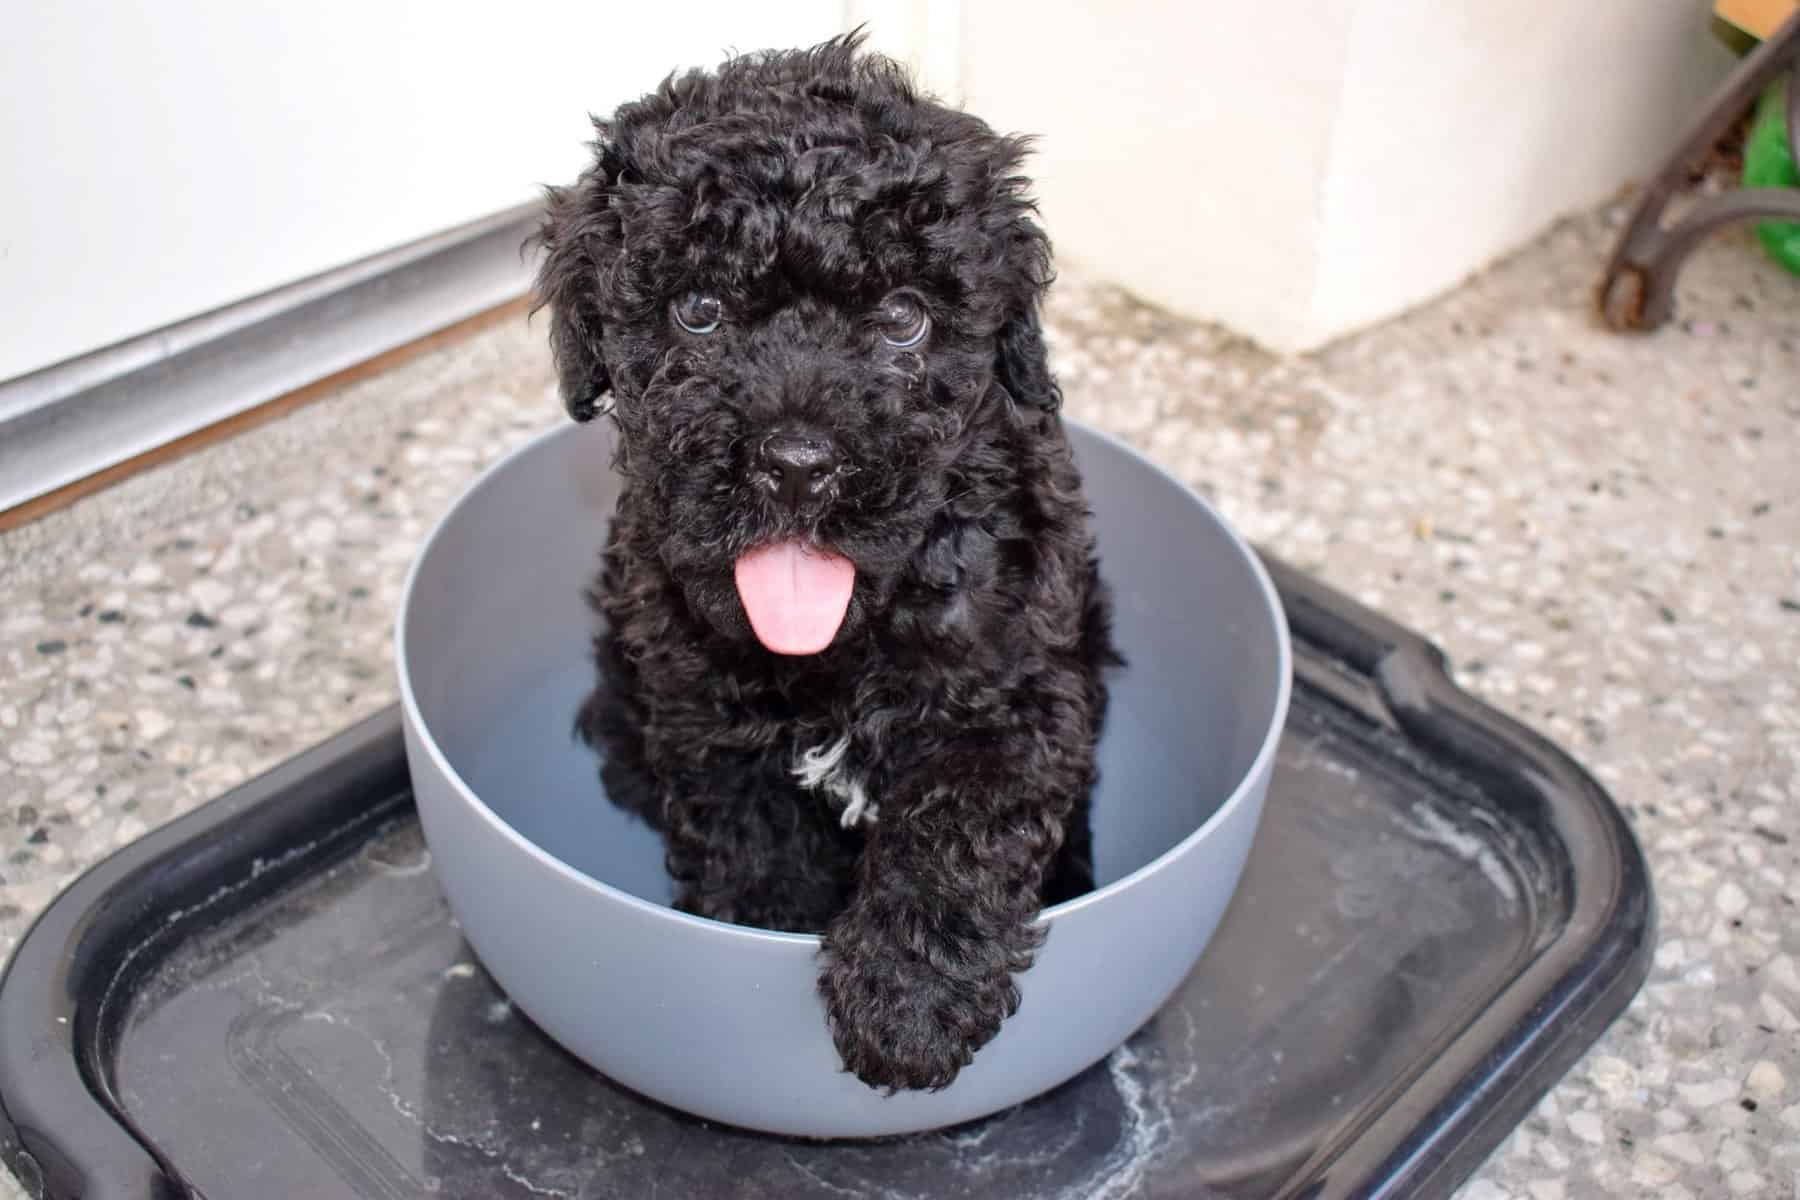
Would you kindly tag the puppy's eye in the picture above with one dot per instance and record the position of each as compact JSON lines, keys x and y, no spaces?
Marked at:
{"x":697,"y":312}
{"x":902,"y":320}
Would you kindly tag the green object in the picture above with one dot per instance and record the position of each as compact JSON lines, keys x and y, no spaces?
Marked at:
{"x":1769,"y":163}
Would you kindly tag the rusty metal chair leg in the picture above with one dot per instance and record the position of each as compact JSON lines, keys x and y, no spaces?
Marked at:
{"x":1637,"y":289}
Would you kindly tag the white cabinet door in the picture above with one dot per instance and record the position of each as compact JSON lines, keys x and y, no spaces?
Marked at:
{"x":160,"y":158}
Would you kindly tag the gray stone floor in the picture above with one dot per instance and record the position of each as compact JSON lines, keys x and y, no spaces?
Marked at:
{"x":1603,"y":532}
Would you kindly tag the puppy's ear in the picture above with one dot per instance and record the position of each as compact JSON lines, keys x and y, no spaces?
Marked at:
{"x":574,"y":239}
{"x":1022,"y":363}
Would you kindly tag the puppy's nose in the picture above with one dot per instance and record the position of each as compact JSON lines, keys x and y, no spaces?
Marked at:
{"x":800,"y":466}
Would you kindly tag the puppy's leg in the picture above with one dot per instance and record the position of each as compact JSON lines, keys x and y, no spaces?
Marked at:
{"x":612,"y":720}
{"x":610,"y":723}
{"x":918,"y":970}
{"x":1073,"y":872}
{"x":745,"y":845}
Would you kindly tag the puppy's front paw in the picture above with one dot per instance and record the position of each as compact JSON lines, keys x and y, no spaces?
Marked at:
{"x":901,"y":1023}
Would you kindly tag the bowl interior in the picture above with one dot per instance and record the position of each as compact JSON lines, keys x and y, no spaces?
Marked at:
{"x":497,"y":632}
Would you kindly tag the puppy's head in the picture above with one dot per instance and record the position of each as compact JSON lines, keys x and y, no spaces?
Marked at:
{"x":797,"y":285}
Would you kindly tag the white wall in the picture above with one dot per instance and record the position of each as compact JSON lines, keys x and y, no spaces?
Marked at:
{"x":1464,"y":128}
{"x":1296,"y":172}
{"x":1293,"y":174}
{"x":161,"y":159}
{"x":1181,"y":146}
{"x":925,"y":35}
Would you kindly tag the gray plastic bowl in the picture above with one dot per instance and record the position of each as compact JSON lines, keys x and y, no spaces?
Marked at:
{"x":565,"y":899}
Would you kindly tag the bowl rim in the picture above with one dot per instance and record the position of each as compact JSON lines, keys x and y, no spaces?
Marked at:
{"x":1259,"y":764}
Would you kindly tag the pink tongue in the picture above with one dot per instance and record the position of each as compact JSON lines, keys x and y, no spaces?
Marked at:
{"x":795,"y":595}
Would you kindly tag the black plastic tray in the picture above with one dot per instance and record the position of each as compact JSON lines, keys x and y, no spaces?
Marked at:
{"x":269,"y":998}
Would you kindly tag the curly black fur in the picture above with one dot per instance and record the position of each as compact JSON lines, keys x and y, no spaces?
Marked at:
{"x":963,"y":693}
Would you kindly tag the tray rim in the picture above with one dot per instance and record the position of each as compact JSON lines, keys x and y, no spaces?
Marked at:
{"x":64,"y":1133}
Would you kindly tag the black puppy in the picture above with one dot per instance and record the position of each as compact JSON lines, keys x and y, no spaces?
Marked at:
{"x":854,"y":640}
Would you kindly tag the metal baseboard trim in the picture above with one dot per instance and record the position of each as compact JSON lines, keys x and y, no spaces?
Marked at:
{"x":75,"y":418}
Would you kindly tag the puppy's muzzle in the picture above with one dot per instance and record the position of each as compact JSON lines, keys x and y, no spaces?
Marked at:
{"x":797,"y":468}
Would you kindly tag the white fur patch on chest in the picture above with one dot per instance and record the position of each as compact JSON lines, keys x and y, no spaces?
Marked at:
{"x":826,"y":768}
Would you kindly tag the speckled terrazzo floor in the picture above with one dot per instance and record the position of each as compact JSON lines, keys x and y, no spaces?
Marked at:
{"x":1603,"y":532}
